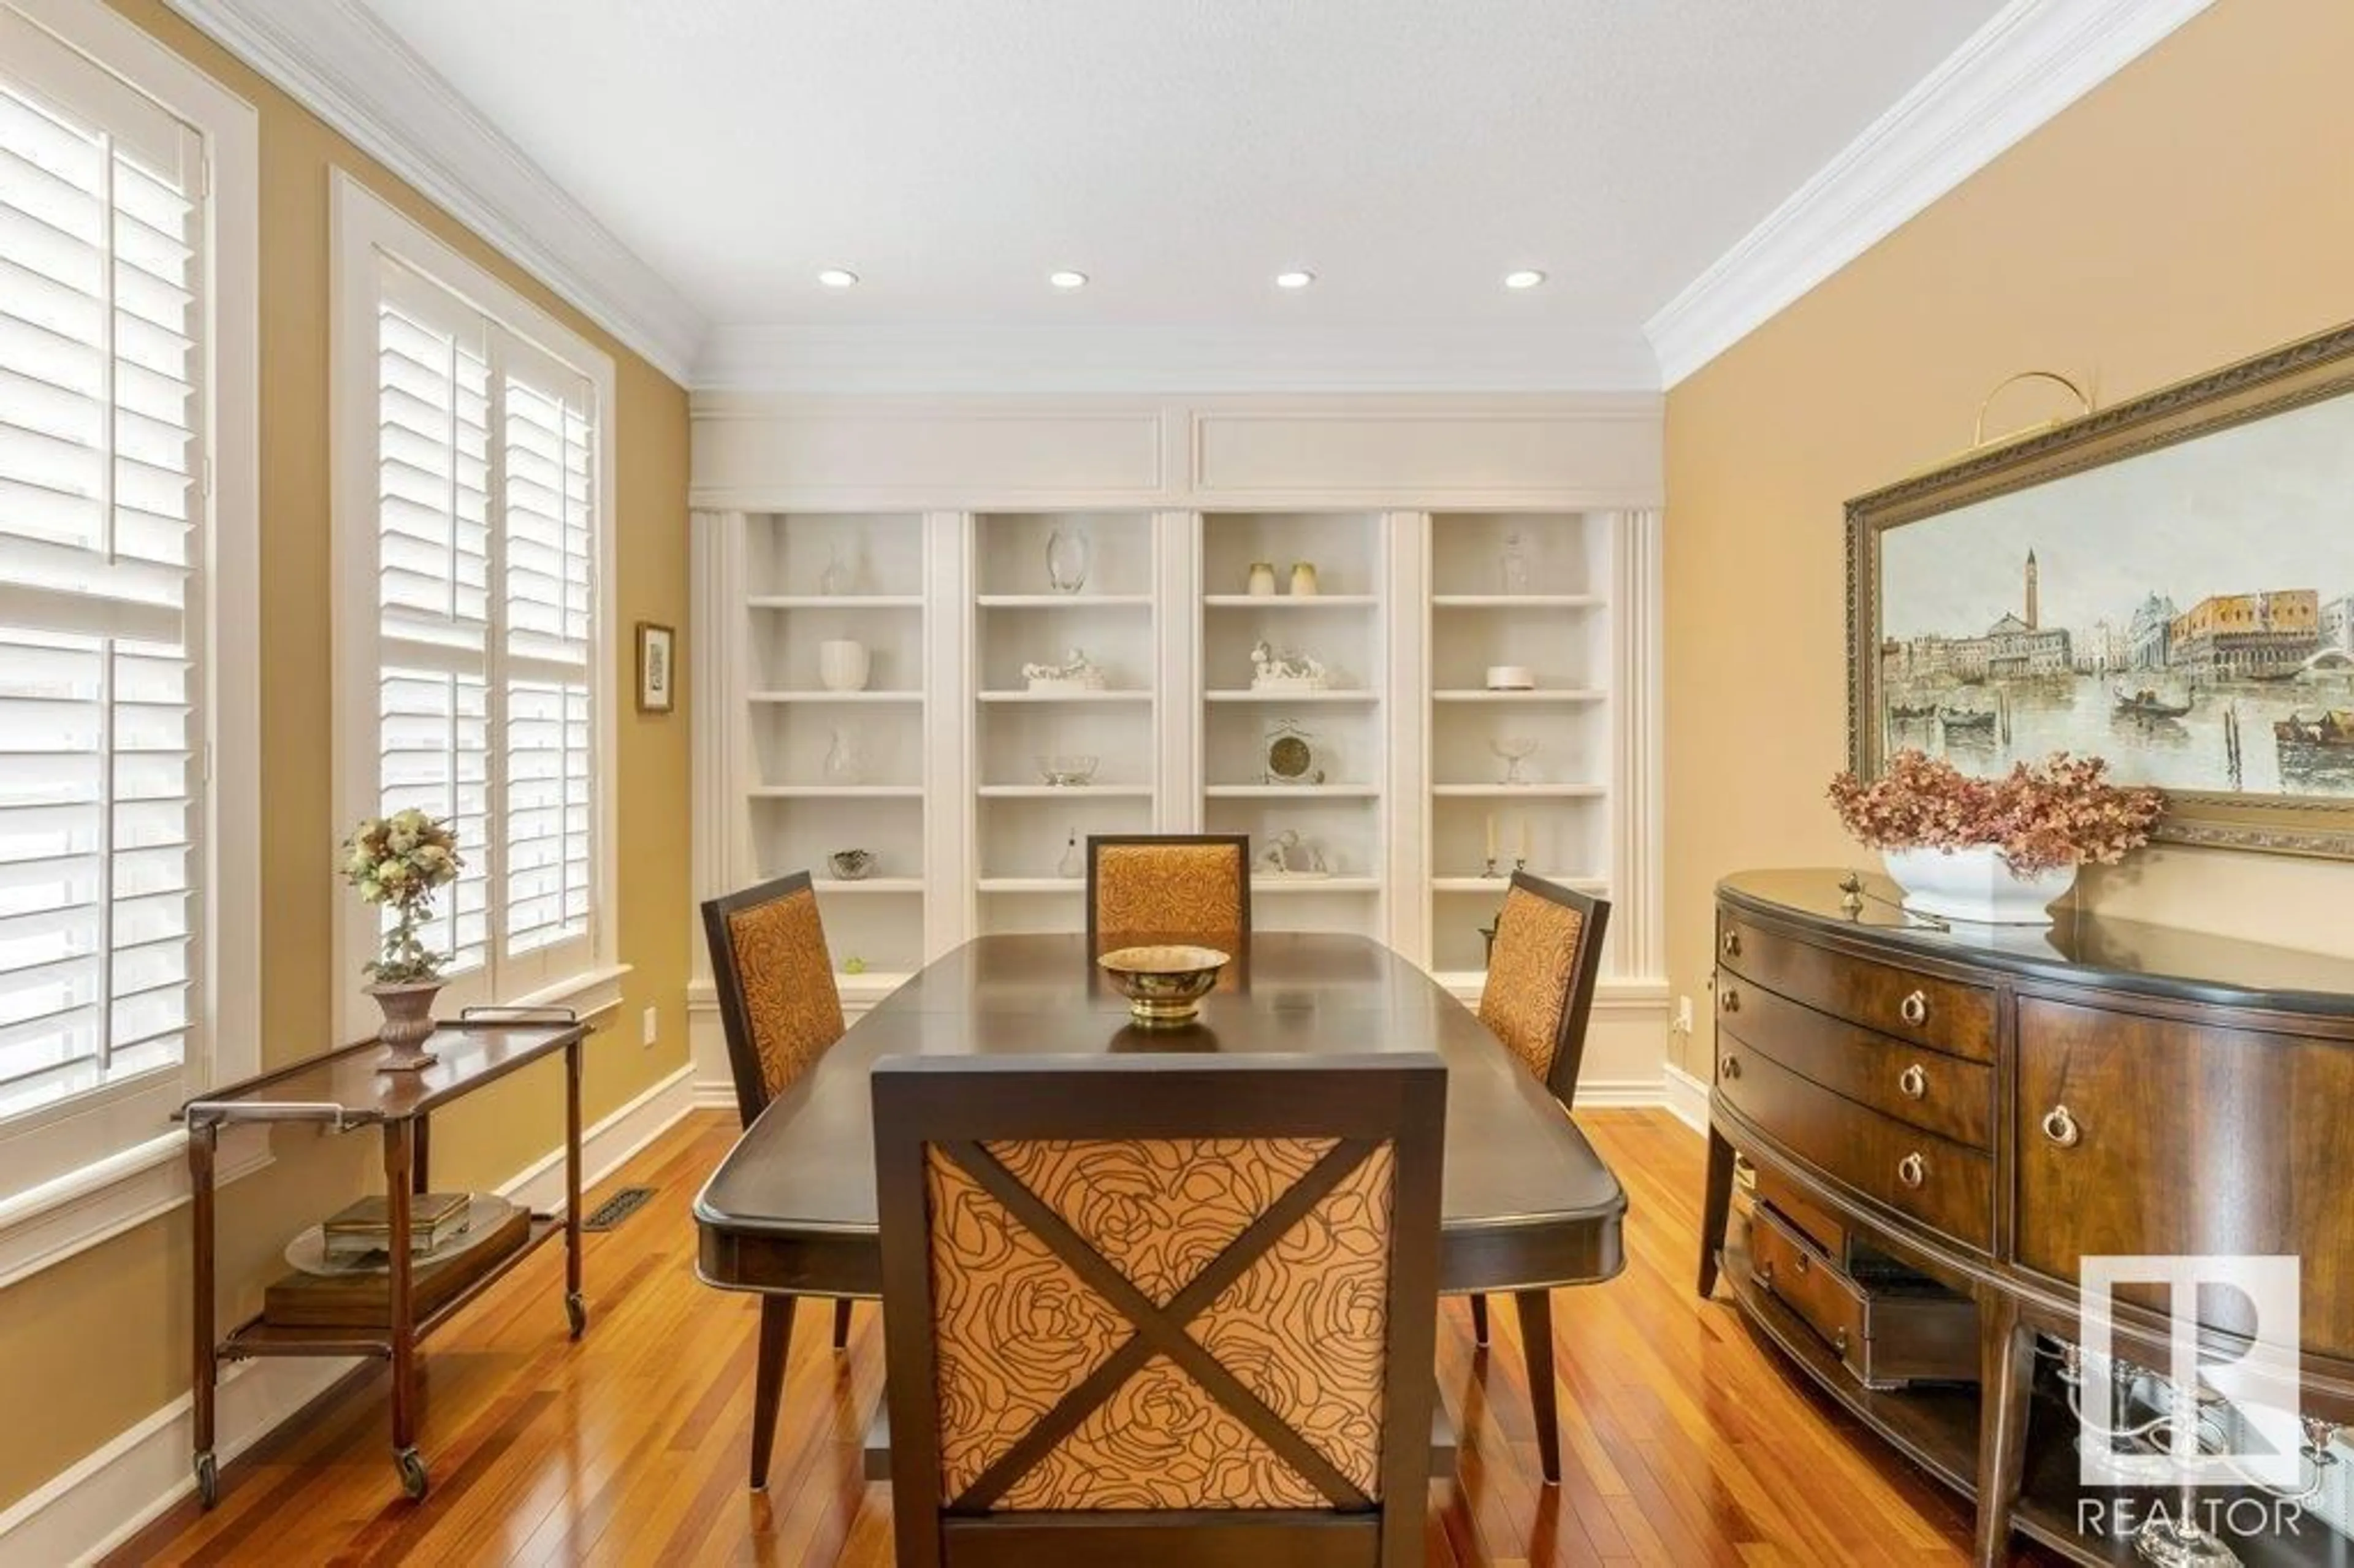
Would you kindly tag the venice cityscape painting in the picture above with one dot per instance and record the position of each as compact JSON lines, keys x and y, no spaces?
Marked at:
{"x":2185,"y":610}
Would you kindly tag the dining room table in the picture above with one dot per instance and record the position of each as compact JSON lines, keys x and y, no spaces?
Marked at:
{"x":1527,"y":1206}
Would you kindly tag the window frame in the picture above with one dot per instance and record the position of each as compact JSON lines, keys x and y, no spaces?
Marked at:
{"x":108,"y":1158}
{"x":366,"y":231}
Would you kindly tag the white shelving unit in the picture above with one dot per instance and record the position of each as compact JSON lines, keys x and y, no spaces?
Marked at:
{"x":1530,"y":589}
{"x":1027,"y":838}
{"x":1404,"y":787}
{"x":831,"y":770}
{"x":1340,"y":812}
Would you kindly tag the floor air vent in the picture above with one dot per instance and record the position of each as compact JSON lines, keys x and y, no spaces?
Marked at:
{"x":617,"y":1208}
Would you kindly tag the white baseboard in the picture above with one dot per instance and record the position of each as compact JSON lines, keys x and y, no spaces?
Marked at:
{"x":1687,"y":1098}
{"x":107,"y":1495}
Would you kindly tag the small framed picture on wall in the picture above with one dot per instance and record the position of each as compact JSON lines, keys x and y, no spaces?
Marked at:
{"x":657,"y":668}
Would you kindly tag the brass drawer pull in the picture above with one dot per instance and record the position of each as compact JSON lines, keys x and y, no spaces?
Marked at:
{"x":1731,"y":1000}
{"x":1766,"y":1274}
{"x":1732,"y":944}
{"x":1911,"y":1170}
{"x":1915,"y":1009}
{"x":2060,"y":1128}
{"x":1914,"y":1082}
{"x":1729,"y":1068}
{"x":1798,"y":1264}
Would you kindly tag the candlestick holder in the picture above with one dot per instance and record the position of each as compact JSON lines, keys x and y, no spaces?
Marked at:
{"x":1490,"y":870}
{"x":1519,"y":862}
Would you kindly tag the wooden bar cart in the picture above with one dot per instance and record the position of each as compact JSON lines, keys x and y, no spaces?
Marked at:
{"x":346,"y":1089}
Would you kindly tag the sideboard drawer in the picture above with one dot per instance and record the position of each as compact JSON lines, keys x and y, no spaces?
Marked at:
{"x":1886,"y":1337}
{"x":1948,"y":1095}
{"x":1943,"y":1014}
{"x":1941,"y":1184}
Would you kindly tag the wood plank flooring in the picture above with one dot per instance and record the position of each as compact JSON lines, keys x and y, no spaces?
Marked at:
{"x":1685,"y":1441}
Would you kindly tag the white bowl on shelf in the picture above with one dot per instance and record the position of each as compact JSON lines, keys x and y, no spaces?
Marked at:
{"x":1511,"y":678}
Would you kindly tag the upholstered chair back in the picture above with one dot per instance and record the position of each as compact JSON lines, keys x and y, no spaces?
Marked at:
{"x":1192,"y":888}
{"x":1540,"y":978}
{"x":777,"y":1001}
{"x":1134,"y":1292}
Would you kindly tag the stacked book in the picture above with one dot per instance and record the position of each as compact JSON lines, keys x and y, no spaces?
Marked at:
{"x":365,"y":1227}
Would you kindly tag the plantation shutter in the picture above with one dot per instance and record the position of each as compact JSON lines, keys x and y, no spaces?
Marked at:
{"x":433,"y":593}
{"x":486,"y":466}
{"x":100,"y":497}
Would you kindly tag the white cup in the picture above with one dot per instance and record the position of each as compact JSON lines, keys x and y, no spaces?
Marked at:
{"x":842,"y":665}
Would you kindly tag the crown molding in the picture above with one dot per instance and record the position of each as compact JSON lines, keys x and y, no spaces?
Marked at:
{"x":340,"y":63}
{"x":936,"y":360}
{"x":2031,"y":60}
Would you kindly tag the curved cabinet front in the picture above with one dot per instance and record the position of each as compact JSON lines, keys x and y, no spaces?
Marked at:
{"x":1971,"y":1112}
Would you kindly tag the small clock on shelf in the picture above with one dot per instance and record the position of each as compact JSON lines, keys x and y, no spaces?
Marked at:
{"x":1292,"y":754}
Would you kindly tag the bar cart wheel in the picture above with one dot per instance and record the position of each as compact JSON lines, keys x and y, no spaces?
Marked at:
{"x":575,"y":1311}
{"x":208,"y":1479}
{"x":413,"y":1479}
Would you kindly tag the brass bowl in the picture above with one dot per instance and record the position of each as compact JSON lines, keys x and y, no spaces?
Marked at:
{"x":1164,"y":985}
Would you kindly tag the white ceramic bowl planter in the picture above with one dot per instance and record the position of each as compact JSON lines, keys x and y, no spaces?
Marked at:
{"x":1977,"y":883}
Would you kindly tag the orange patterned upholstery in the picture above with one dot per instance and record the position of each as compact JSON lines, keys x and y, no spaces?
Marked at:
{"x":1146,"y":892}
{"x":1531,"y":974}
{"x":1304,"y":1327}
{"x":793,"y":1010}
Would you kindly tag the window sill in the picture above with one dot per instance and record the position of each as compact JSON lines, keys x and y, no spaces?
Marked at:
{"x":47,"y":1225}
{"x":591,"y":994}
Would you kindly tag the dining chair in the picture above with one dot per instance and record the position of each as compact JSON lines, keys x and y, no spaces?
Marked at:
{"x":1159,"y":1310}
{"x":780,"y":1010}
{"x":1159,"y":887}
{"x":1538,"y":997}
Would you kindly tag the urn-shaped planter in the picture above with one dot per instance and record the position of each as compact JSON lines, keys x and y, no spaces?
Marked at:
{"x":408,"y":1024}
{"x":843,"y":665}
{"x":1976,"y":885}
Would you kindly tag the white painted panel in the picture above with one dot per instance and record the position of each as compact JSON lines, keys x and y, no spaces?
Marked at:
{"x":797,"y":455}
{"x":1433,"y":456}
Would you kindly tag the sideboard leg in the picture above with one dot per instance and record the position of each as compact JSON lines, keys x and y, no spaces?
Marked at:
{"x":2007,"y":1370}
{"x":400,"y":1162}
{"x":1716,"y":1207}
{"x":204,"y":1139}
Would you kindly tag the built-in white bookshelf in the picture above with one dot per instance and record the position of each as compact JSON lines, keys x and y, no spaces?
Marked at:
{"x":1529,"y":590}
{"x":1331,"y":793}
{"x":1029,"y":832}
{"x":1393,"y":786}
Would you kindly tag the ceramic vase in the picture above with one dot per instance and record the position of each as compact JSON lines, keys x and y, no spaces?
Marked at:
{"x":842,"y":665}
{"x":408,"y":1024}
{"x":1262,"y":579}
{"x":1975,"y":884}
{"x":1303,"y":580}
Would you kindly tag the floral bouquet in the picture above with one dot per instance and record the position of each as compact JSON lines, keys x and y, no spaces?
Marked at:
{"x":400,"y":861}
{"x":2060,"y":813}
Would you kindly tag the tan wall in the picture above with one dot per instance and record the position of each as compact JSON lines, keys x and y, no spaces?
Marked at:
{"x":2192,"y":210}
{"x":98,"y":1342}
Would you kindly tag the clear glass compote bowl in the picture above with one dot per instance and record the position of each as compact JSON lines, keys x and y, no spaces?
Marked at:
{"x":1513,"y":750}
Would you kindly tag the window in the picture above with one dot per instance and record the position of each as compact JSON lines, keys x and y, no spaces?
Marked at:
{"x":128,"y":818}
{"x":473,"y":456}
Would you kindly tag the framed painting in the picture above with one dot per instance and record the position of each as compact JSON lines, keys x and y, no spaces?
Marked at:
{"x":2167,"y":583}
{"x":657,"y":671}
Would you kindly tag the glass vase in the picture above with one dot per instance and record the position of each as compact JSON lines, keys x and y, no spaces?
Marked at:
{"x":1067,"y":559}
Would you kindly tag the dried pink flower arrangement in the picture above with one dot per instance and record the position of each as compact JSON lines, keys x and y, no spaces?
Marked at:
{"x":2060,"y":812}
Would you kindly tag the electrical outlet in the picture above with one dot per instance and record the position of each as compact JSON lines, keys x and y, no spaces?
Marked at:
{"x":1683,"y":1015}
{"x":653,"y":1024}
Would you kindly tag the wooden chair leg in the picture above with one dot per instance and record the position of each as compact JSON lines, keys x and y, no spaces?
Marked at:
{"x":841,"y":1322}
{"x":1480,"y":1321}
{"x":1536,"y":1341}
{"x":768,"y":1380}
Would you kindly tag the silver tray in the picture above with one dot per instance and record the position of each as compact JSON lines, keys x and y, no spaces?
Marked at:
{"x":484,"y":1210}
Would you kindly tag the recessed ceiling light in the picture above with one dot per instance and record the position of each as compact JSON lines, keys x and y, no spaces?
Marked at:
{"x":1294,"y":280}
{"x":1526,"y":278}
{"x":837,"y":277}
{"x":1067,"y":279}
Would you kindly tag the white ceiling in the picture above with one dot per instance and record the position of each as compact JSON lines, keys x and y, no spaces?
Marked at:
{"x":1181,"y":152}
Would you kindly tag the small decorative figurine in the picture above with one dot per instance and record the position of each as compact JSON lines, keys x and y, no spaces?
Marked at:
{"x":1271,"y":671}
{"x":1076,"y":673}
{"x":1291,"y":855}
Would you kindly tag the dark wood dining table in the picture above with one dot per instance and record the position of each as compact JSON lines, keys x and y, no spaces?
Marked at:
{"x":1527,"y":1204}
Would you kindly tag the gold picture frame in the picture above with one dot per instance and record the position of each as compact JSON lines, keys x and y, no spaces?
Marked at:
{"x":2216,"y":698}
{"x":657,"y":667}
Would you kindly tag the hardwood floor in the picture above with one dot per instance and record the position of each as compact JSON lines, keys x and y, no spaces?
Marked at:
{"x":1684,"y":1441}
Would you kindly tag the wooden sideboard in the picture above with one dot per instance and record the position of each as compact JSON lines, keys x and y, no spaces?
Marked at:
{"x":1936,"y":1125}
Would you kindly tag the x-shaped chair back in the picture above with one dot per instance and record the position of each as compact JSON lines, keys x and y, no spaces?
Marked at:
{"x":1162,"y":1306}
